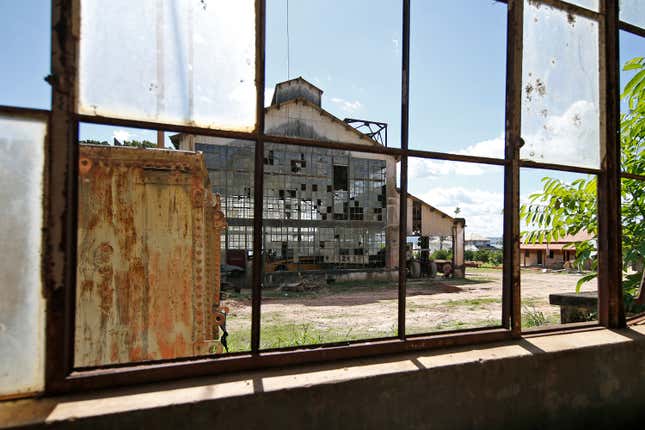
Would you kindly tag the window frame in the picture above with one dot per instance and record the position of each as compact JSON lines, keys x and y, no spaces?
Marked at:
{"x":61,"y":197}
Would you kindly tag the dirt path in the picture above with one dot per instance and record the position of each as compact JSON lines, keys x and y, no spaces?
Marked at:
{"x":432,"y":305}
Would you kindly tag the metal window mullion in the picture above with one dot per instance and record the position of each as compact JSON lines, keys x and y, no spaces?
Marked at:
{"x":571,"y":8}
{"x":631,"y":28}
{"x":61,"y":194}
{"x":258,"y":178}
{"x":511,"y":297}
{"x":403,"y":200}
{"x":610,"y":300}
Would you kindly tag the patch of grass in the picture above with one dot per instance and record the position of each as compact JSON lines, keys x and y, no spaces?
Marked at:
{"x":531,"y":317}
{"x":285,"y":335}
{"x":457,"y":325}
{"x":473,"y":303}
{"x":532,"y":302}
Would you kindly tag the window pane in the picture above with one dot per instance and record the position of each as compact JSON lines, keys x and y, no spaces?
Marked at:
{"x":633,"y":12}
{"x":179,"y":62}
{"x":633,"y":245}
{"x":560,"y":117}
{"x":331,"y":253}
{"x":589,"y":4}
{"x":328,"y":61}
{"x":25,"y":34}
{"x":152,"y":260}
{"x":558,"y":249}
{"x":455,"y":227}
{"x":632,"y":106}
{"x":22,"y":309}
{"x":457,"y":77}
{"x":230,"y":165}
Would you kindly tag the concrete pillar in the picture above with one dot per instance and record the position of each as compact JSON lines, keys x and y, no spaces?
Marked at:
{"x":458,"y":241}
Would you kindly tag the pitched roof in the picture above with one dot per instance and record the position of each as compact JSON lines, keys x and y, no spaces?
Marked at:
{"x":563,"y":242}
{"x":432,"y":208}
{"x":322,"y":111}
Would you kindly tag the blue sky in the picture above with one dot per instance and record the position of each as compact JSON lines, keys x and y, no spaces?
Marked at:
{"x":352,"y":51}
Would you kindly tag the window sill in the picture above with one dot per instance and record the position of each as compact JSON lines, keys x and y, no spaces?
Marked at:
{"x":535,"y":366}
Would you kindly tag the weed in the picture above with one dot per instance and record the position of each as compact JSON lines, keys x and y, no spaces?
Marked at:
{"x":531,"y":317}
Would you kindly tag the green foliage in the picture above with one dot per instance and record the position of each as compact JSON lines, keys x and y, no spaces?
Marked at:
{"x":131,"y":143}
{"x":139,"y":143}
{"x":533,"y":318}
{"x":632,"y":123}
{"x":562,"y":208}
{"x":94,"y":142}
{"x":491,"y":256}
{"x":441,"y":254}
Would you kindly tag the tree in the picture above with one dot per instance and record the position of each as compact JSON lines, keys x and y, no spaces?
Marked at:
{"x":562,"y":208}
{"x":132,"y":143}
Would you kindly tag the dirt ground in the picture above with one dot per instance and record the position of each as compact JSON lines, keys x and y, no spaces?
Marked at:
{"x":362,"y":310}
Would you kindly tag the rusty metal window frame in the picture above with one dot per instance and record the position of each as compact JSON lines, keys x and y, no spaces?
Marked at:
{"x":636,"y":31}
{"x":61,"y":195}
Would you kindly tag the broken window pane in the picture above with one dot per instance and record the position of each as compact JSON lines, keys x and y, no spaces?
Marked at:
{"x":152,"y":258}
{"x":328,"y":66}
{"x":632,"y":12}
{"x":24,"y":31}
{"x":230,"y":164}
{"x":558,"y":249}
{"x":454,"y":246}
{"x":560,"y":116}
{"x":457,"y":77}
{"x":179,"y":64}
{"x":632,"y":50}
{"x":330,"y":254}
{"x":22,"y":308}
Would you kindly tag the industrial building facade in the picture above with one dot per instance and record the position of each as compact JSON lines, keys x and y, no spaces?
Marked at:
{"x":323,"y":208}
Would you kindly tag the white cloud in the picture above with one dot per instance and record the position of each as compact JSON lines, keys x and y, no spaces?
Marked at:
{"x":122,"y":135}
{"x":423,"y":168}
{"x":346,"y":105}
{"x":493,"y":148}
{"x":569,"y":138}
{"x":482,"y":209}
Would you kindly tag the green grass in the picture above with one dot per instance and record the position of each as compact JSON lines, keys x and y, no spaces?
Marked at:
{"x":531,"y":317}
{"x":473,"y":303}
{"x":278,"y":333}
{"x":289,"y":334}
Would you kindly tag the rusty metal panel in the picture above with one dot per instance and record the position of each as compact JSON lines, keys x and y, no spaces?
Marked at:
{"x":148,"y":264}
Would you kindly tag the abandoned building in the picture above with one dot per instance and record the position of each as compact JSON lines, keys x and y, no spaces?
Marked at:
{"x":199,"y":70}
{"x":552,"y":255}
{"x":324,"y":209}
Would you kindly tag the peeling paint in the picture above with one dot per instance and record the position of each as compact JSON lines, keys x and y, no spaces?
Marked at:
{"x":148,"y":259}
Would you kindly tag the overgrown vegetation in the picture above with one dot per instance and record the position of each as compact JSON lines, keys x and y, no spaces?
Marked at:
{"x":441,"y":254}
{"x":494,"y":257}
{"x":567,"y":208}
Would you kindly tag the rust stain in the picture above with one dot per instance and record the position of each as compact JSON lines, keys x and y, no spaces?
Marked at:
{"x":148,"y":256}
{"x":84,"y":166}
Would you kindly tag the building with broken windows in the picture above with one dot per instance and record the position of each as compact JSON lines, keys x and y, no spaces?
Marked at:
{"x":324,"y":209}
